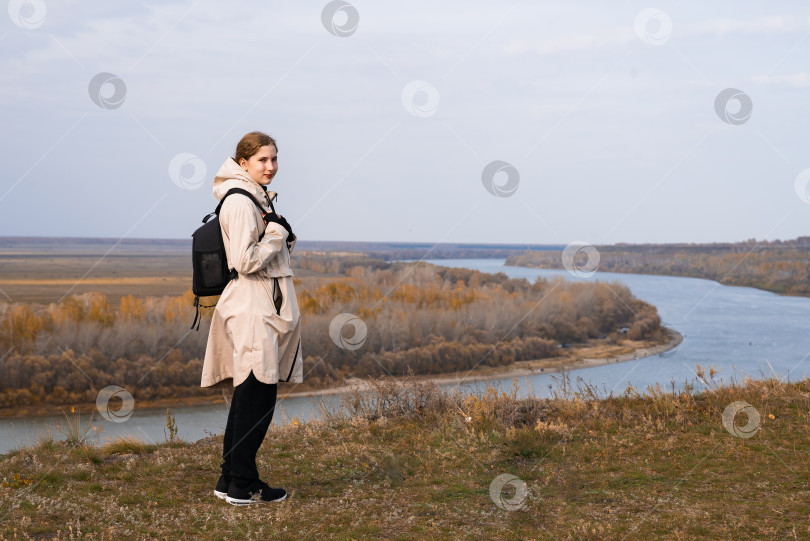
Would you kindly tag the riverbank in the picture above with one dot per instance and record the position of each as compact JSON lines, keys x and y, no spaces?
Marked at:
{"x":433,"y":465}
{"x":594,"y":353}
{"x":580,"y":357}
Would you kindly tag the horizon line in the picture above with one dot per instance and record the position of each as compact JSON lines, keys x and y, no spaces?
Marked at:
{"x":367,"y":242}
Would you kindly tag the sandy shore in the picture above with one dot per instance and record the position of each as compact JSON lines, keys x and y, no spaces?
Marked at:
{"x":574,"y":359}
{"x":521,"y":369}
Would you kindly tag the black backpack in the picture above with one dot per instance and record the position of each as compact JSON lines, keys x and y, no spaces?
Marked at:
{"x":210,"y":264}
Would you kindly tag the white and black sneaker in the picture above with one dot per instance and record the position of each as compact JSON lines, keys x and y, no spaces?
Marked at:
{"x":222,"y":487}
{"x":259,"y":492}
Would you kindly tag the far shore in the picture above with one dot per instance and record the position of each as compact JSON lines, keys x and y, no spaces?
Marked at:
{"x":582,"y":356}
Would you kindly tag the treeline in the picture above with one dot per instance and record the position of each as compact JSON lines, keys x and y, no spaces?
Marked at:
{"x":418,"y":316}
{"x":65,"y":353}
{"x":330,"y":263}
{"x":390,"y":251}
{"x":778,"y":266}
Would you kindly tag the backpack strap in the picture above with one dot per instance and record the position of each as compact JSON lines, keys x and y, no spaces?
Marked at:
{"x":249,"y":195}
{"x":243,"y":192}
{"x":197,"y":315}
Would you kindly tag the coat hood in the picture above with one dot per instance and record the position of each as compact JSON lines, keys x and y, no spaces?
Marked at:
{"x":230,"y":175}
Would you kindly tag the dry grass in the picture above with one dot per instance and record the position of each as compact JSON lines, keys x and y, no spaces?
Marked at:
{"x":127,"y":445}
{"x":44,"y":276}
{"x":406,"y":460}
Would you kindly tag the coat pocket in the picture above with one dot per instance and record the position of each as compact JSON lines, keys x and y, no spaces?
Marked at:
{"x":278,"y":297}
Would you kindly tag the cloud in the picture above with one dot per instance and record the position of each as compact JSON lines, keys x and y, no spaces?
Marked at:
{"x":775,"y":24}
{"x":571,"y":42}
{"x":611,"y":37}
{"x":797,"y":80}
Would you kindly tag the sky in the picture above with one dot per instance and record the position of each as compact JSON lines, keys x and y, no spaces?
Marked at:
{"x":467,"y":122}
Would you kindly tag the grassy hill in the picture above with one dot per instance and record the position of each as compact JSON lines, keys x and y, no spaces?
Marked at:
{"x":409,"y":461}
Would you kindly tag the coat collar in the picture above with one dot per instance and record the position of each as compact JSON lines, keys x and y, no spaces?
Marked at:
{"x":230,"y":175}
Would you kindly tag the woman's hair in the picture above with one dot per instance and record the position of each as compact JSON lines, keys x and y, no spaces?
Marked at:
{"x":251,"y":143}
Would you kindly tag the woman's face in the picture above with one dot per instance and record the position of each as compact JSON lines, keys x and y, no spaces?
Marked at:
{"x":263,"y":165}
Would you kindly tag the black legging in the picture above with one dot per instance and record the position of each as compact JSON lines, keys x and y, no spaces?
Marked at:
{"x":249,"y":417}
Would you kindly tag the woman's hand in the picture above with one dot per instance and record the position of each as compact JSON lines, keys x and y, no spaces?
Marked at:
{"x":273,"y":217}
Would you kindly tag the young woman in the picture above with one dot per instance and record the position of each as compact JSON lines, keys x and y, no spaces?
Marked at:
{"x":255,"y":336}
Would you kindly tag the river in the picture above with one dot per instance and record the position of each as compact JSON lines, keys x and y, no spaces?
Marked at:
{"x":739,"y":330}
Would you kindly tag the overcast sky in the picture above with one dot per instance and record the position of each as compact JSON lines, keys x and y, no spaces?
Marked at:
{"x":603,"y":118}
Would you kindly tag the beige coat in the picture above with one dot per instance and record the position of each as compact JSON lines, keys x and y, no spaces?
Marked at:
{"x":247,"y":332}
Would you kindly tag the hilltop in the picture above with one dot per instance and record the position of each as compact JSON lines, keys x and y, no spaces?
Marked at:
{"x":412,"y":462}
